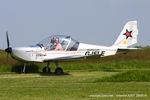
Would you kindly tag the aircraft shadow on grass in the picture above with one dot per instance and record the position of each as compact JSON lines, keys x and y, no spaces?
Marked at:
{"x":34,"y":69}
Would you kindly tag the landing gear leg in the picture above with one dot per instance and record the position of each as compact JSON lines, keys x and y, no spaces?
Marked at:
{"x":58,"y":70}
{"x":24,"y":69}
{"x":47,"y":69}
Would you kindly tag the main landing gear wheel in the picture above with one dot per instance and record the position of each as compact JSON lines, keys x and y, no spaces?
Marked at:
{"x":46,"y":70}
{"x":59,"y":71}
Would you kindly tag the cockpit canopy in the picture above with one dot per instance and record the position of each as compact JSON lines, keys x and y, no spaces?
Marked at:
{"x":59,"y":42}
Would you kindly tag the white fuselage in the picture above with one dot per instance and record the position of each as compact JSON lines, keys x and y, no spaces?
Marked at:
{"x":58,"y":47}
{"x":38,"y":54}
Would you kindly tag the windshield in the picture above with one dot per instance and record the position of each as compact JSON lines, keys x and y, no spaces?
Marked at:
{"x":59,"y":42}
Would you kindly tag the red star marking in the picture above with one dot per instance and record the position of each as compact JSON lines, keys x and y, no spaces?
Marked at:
{"x":127,"y":34}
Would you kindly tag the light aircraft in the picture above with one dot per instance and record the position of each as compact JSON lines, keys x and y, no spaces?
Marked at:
{"x":58,"y":47}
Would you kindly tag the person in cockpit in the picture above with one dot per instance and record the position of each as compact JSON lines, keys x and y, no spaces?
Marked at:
{"x":55,"y":45}
{"x":58,"y":45}
{"x":52,"y":46}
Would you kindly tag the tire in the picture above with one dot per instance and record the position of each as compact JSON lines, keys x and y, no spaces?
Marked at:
{"x":59,"y":71}
{"x":46,"y":70}
{"x":22,"y":72}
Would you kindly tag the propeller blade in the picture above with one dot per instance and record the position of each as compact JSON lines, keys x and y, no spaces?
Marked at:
{"x":8,"y":49}
{"x":7,"y":39}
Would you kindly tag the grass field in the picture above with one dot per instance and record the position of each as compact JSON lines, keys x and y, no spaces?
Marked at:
{"x":120,"y":77}
{"x":75,"y":86}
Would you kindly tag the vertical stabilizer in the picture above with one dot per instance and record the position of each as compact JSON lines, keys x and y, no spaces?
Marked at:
{"x":128,"y":35}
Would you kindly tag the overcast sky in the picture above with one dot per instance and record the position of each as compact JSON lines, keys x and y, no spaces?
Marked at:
{"x":89,"y":21}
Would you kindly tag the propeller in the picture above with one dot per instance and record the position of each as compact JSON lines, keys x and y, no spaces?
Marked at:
{"x":8,"y":49}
